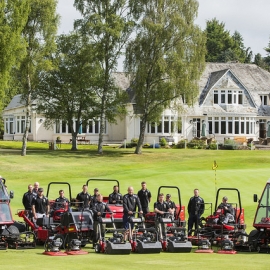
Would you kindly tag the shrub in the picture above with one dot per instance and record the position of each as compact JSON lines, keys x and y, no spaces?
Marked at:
{"x":134,"y":142}
{"x":196,"y":144}
{"x":163,"y":142}
{"x":181,"y":144}
{"x":213,"y":146}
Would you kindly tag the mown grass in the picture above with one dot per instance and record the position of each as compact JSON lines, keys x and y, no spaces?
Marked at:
{"x":247,"y":171}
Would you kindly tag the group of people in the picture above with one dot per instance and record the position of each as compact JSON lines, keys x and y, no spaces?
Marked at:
{"x":38,"y":206}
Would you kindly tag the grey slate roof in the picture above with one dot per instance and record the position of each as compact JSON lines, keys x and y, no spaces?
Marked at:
{"x":16,"y":102}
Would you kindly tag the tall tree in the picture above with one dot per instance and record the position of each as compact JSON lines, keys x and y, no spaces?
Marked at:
{"x":218,"y":40}
{"x":266,"y":59}
{"x":67,"y":92}
{"x":222,"y":47}
{"x":13,"y":16}
{"x":39,"y":35}
{"x":165,"y":59}
{"x":109,"y":24}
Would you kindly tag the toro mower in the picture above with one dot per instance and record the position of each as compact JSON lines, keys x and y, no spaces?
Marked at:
{"x":142,"y":239}
{"x":175,"y":238}
{"x":114,"y":243}
{"x":259,"y":238}
{"x":12,"y":233}
{"x":66,"y":228}
{"x":226,"y":233}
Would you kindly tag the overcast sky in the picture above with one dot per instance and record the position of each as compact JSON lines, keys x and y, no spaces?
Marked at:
{"x":251,"y":18}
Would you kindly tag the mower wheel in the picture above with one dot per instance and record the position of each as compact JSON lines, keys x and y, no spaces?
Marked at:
{"x":97,"y":248}
{"x":61,"y":239}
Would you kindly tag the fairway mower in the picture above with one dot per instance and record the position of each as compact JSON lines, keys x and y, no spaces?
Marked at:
{"x":13,"y":234}
{"x":259,"y":238}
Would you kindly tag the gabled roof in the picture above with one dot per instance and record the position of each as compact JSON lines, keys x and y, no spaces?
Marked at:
{"x":16,"y":102}
{"x":251,"y":75}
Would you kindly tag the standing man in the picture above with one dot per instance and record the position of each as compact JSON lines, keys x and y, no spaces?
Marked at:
{"x":130,"y":203}
{"x":195,"y":210}
{"x":99,"y":210}
{"x":27,"y":200}
{"x":40,"y":205}
{"x":115,"y":197}
{"x":94,"y":198}
{"x":83,"y":198}
{"x":145,"y":197}
{"x":171,"y":204}
{"x":161,"y":209}
{"x":35,"y":189}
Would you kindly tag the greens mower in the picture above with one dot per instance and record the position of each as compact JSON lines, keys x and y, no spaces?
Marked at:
{"x":114,"y":243}
{"x":229,"y":237}
{"x":142,"y":239}
{"x":176,"y":237}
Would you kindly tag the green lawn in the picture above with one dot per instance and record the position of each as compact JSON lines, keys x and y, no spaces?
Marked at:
{"x":247,"y":171}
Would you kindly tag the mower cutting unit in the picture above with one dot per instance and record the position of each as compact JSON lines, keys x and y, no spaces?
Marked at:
{"x":259,"y":239}
{"x":113,"y":244}
{"x":142,"y":239}
{"x":12,"y":233}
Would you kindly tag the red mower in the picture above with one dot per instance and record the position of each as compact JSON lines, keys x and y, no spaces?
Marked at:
{"x":13,"y":234}
{"x":142,"y":239}
{"x":113,"y":243}
{"x":259,"y":238}
{"x":212,"y":231}
{"x":175,"y":239}
{"x":66,"y":228}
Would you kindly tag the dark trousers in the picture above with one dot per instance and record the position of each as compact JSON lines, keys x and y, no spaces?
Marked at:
{"x":192,"y":220}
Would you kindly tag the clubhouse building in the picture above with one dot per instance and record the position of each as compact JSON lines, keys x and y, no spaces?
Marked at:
{"x":232,"y":103}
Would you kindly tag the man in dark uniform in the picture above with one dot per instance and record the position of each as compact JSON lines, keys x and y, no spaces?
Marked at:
{"x":27,"y":200}
{"x":145,"y":197}
{"x":83,"y":198}
{"x":94,"y":198}
{"x":35,"y":189}
{"x":115,"y":197}
{"x":171,"y":204}
{"x":130,"y":203}
{"x":40,"y":205}
{"x":195,"y":210}
{"x":227,"y":211}
{"x":161,"y":209}
{"x":60,"y":203}
{"x":99,"y":210}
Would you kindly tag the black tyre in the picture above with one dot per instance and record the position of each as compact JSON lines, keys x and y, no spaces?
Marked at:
{"x":97,"y":248}
{"x":252,"y":240}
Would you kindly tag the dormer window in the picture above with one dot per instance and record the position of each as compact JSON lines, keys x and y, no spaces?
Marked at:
{"x":264,"y":99}
{"x":228,"y":97}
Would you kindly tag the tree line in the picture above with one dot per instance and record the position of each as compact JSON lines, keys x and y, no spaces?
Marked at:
{"x":70,"y":77}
